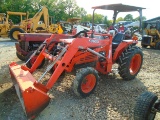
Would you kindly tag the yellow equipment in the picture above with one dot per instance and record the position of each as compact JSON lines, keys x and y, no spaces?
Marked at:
{"x":67,"y":26}
{"x":40,"y":23}
{"x":152,"y":37}
{"x":36,"y":25}
{"x":16,"y":28}
{"x":4,"y":25}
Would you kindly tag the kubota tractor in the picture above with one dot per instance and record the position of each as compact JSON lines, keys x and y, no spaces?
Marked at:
{"x":147,"y":105}
{"x":84,"y":56}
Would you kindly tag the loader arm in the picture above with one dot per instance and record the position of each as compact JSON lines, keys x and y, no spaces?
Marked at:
{"x":43,"y":11}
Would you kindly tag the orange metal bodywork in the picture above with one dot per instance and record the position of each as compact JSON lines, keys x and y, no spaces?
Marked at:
{"x":121,"y":47}
{"x":33,"y":99}
{"x":34,"y":93}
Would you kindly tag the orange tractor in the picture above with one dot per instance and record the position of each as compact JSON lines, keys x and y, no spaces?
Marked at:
{"x":84,"y":55}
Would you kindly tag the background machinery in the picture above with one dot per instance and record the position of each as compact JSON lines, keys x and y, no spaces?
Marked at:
{"x":15,"y":28}
{"x":152,"y":35}
{"x":38,"y":24}
{"x":4,"y":25}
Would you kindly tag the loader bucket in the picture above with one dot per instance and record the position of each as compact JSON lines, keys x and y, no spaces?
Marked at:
{"x":33,"y":98}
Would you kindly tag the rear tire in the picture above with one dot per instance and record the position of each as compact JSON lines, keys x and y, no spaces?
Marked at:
{"x":130,"y":62}
{"x":22,"y":45}
{"x":13,"y":34}
{"x":21,"y":57}
{"x":143,"y":107}
{"x":31,"y":62}
{"x":85,"y":82}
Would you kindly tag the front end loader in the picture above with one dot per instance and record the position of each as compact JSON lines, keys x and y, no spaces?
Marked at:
{"x":84,"y":55}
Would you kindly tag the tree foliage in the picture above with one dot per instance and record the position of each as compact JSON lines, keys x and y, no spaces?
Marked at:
{"x":119,"y":19}
{"x":128,"y":17}
{"x":61,"y":10}
{"x":138,"y":18}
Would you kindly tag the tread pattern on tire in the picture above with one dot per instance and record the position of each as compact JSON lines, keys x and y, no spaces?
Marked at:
{"x":143,"y":106}
{"x":79,"y":77}
{"x":124,"y":61}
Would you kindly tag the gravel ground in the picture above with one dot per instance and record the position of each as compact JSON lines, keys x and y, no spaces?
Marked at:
{"x":113,"y":99}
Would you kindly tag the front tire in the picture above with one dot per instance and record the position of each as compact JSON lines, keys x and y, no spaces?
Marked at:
{"x":143,"y":107}
{"x":85,"y":82}
{"x":130,"y":62}
{"x":13,"y":34}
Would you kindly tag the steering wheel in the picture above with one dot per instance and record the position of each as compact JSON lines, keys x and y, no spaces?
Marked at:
{"x":85,"y":34}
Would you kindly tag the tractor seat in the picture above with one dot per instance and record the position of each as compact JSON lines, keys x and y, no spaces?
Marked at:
{"x":117,"y":39}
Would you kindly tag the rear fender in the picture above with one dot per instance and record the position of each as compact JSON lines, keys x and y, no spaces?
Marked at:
{"x":121,"y":47}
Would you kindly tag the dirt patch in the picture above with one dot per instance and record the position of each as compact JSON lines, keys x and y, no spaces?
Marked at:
{"x":112,"y":99}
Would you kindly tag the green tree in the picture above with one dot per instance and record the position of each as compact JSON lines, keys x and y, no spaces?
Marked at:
{"x":138,"y":18}
{"x":119,"y":19}
{"x":98,"y":18}
{"x":128,"y":17}
{"x":105,"y":20}
{"x":60,"y":9}
{"x":86,"y":18}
